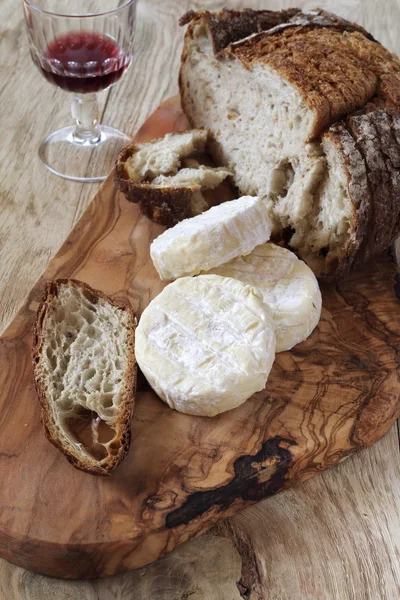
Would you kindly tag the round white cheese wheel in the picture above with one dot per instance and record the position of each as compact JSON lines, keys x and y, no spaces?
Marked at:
{"x":288,"y":287}
{"x":206,"y":344}
{"x":208,"y":240}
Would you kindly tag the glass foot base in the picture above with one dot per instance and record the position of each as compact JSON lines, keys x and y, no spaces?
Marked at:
{"x":79,"y":159}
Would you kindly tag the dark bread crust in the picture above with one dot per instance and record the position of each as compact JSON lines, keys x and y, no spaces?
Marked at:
{"x":230,"y":26}
{"x":396,"y":140}
{"x":359,"y":193}
{"x":379,"y":148}
{"x":320,"y":18}
{"x":166,"y":206}
{"x":122,"y":425}
{"x":385,"y":65}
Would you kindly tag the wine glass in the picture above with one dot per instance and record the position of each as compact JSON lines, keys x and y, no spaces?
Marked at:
{"x":83,"y":47}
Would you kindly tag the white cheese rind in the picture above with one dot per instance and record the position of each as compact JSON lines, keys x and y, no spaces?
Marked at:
{"x":206,"y":344}
{"x":212,"y":238}
{"x":288,"y":287}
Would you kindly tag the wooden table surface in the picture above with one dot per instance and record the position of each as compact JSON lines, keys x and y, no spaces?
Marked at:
{"x":336,"y":537}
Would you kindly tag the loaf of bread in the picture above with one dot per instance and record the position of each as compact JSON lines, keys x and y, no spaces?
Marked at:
{"x":85,"y":374}
{"x":171,"y":177}
{"x":304,"y":108}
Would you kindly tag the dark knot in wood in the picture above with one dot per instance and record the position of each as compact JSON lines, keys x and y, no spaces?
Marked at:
{"x":247,"y":484}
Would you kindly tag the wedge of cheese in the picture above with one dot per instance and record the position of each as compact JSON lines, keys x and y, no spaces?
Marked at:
{"x":206,"y":344}
{"x":288,"y":286}
{"x":211,"y":239}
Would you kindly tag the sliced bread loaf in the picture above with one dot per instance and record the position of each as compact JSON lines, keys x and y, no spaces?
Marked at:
{"x":85,"y":374}
{"x":304,"y":108}
{"x":171,"y":177}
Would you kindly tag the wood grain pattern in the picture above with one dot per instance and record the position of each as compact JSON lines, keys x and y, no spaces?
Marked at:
{"x":353,"y":558}
{"x":326,"y":399}
{"x":291,"y":546}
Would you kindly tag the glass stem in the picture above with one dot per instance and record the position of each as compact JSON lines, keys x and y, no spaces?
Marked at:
{"x":85,"y":111}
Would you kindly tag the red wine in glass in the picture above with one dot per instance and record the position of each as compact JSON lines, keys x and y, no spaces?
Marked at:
{"x":82,"y":47}
{"x":83,"y":62}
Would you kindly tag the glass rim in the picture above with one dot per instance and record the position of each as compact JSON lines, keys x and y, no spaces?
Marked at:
{"x":32,"y":4}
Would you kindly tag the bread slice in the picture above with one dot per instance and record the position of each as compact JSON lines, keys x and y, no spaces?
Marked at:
{"x":304,"y":108}
{"x":170,"y":177}
{"x":85,"y":374}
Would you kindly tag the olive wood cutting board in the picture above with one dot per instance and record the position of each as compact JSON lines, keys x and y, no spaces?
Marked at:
{"x":329,"y":397}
